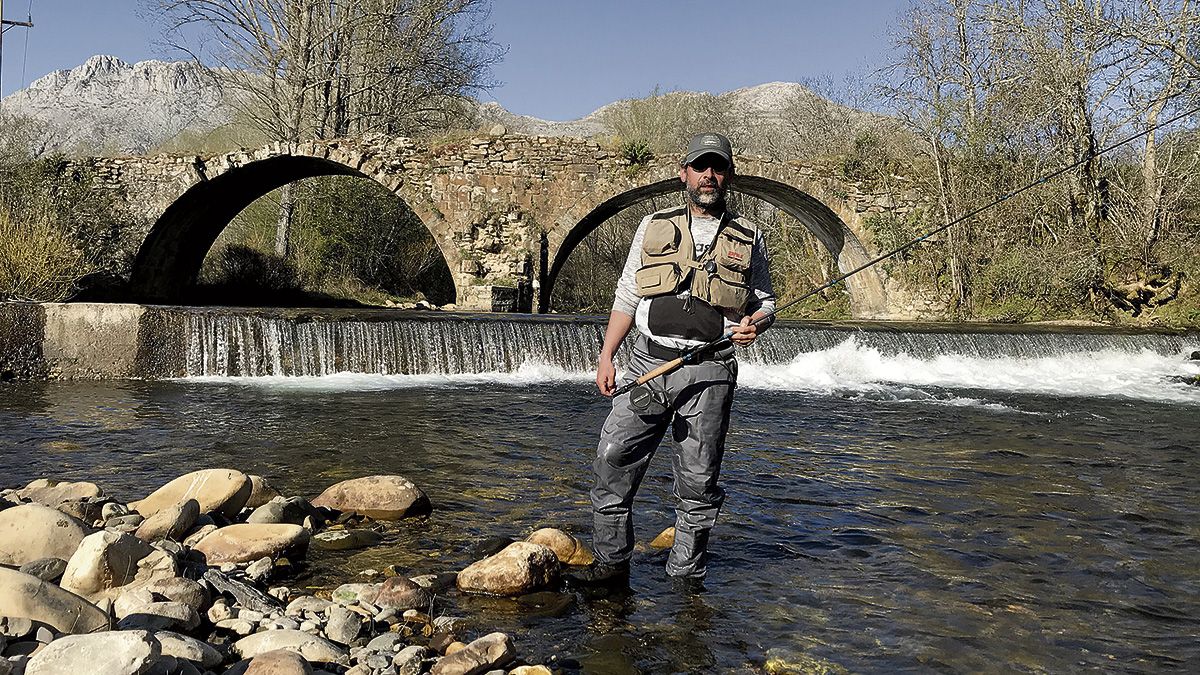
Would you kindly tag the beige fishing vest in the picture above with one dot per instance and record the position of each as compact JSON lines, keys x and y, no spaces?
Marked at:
{"x":669,"y":261}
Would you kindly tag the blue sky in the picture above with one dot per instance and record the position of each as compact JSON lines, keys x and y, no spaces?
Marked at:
{"x":565,"y":58}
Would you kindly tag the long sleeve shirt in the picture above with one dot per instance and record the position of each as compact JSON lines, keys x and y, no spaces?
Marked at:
{"x":704,"y":230}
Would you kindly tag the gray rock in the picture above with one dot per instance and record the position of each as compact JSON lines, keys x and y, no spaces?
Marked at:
{"x":385,"y":643}
{"x":308,"y":604}
{"x":158,"y":616}
{"x":260,"y":569}
{"x":179,"y":589}
{"x":480,"y":656}
{"x":188,"y":648}
{"x":109,"y":652}
{"x":311,"y":647}
{"x":291,"y":510}
{"x":109,"y":560}
{"x":46,"y":569}
{"x":409,"y":660}
{"x":343,"y":625}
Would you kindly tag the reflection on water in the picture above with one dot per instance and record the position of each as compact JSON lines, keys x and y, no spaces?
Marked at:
{"x":1009,"y":531}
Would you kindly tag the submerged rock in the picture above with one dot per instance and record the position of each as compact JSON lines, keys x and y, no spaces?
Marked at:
{"x":344,"y":540}
{"x":520,"y":568}
{"x":399,"y":593}
{"x":33,"y":531}
{"x":23,"y":595}
{"x":665,"y":539}
{"x":223,"y":491}
{"x":381,"y":497}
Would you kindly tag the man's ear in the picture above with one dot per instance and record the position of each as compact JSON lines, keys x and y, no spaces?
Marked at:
{"x":683,"y":175}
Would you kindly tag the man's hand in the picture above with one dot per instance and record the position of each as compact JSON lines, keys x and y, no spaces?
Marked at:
{"x":606,"y":375}
{"x":744,"y":333}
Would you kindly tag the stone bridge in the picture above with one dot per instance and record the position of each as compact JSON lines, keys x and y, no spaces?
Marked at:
{"x":505,"y":210}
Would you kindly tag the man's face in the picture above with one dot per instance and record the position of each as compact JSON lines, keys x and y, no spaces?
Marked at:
{"x":705,"y":179}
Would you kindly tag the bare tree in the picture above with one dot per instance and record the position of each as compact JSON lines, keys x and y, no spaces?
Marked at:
{"x":303,"y":69}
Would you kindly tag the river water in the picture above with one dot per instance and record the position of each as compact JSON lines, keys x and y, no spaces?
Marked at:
{"x":897,"y":501}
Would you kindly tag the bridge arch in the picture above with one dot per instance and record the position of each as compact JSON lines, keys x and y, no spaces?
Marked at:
{"x":170,"y":257}
{"x":867,"y":295}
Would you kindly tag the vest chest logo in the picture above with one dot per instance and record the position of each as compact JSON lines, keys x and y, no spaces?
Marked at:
{"x":734,"y":255}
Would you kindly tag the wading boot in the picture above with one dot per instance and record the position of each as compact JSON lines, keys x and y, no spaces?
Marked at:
{"x":599,"y":575}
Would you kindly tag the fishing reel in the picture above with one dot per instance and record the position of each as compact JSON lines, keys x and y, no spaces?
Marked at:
{"x":646,"y":401}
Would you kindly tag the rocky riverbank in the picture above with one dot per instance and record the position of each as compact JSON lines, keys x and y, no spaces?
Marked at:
{"x":193,"y":579}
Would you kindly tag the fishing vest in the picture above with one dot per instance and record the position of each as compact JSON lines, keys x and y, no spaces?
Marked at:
{"x":720,"y":277}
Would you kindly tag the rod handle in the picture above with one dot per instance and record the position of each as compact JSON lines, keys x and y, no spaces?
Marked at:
{"x":661,"y":370}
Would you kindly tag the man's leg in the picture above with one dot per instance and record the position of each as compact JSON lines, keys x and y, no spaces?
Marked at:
{"x":627,"y":442}
{"x":699,"y":426}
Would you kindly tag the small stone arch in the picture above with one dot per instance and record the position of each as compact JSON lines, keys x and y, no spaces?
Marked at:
{"x":867,"y":295}
{"x":171,"y":255}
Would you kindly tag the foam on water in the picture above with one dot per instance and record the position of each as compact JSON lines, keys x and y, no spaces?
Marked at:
{"x":1143,"y":374}
{"x":852,"y":370}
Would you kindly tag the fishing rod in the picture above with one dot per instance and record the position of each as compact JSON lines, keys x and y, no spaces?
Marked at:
{"x":690,"y":355}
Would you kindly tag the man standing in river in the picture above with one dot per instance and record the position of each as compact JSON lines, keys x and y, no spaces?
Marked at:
{"x":692,"y":273}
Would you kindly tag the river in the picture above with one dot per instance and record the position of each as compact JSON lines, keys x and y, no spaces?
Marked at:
{"x":898,"y":501}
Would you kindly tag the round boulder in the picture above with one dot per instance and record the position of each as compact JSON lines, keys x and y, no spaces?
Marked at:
{"x":52,"y":492}
{"x":107,"y":653}
{"x":23,"y":595}
{"x":279,"y":662}
{"x":568,"y":549}
{"x":399,"y":593}
{"x":520,"y":568}
{"x":223,"y":491}
{"x":379,"y":497}
{"x":109,"y":560}
{"x":170,"y":523}
{"x":33,"y":531}
{"x":247,"y":542}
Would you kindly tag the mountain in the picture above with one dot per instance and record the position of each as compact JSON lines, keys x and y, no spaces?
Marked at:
{"x":111,"y":107}
{"x":107,"y":106}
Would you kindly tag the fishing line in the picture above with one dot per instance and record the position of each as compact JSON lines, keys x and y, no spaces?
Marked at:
{"x":691,"y":354}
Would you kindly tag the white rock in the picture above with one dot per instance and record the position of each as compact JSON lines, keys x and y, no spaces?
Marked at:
{"x":107,"y":653}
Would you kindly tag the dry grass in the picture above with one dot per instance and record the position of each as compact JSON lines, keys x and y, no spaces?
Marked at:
{"x":38,"y":259}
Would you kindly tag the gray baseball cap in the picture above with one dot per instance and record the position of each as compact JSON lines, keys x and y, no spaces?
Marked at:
{"x":702,"y":144}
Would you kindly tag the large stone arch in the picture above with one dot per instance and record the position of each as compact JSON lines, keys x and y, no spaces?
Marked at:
{"x":170,"y":257}
{"x":867,"y":295}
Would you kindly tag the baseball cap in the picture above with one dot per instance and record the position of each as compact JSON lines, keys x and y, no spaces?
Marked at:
{"x":702,"y":144}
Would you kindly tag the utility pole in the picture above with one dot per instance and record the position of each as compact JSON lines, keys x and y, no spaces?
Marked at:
{"x":4,"y":26}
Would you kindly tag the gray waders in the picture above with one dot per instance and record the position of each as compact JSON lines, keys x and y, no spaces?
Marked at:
{"x":698,"y":398}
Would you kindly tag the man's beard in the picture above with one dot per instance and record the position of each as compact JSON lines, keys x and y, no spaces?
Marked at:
{"x":707,"y":200}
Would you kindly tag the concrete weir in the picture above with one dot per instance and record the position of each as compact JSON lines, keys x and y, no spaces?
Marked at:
{"x":88,"y":341}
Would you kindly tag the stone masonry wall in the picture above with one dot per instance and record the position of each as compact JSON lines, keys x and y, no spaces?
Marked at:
{"x":497,"y":205}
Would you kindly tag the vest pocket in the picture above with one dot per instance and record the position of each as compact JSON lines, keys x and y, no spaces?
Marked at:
{"x":661,"y":240}
{"x":658,"y":279}
{"x":732,"y":251}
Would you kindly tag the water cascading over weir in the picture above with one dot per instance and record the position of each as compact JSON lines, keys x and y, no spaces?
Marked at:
{"x":253,"y":344}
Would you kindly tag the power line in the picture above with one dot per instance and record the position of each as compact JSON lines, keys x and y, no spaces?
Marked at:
{"x":5,"y":25}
